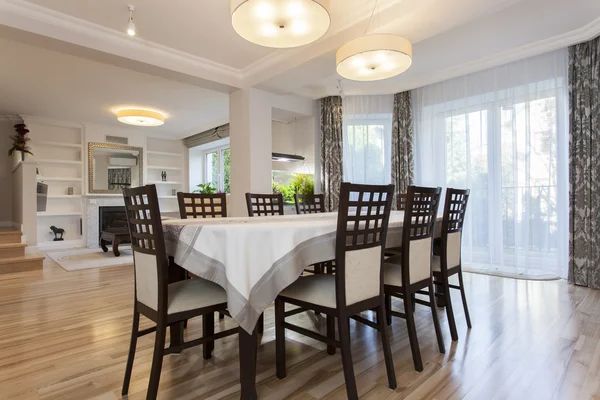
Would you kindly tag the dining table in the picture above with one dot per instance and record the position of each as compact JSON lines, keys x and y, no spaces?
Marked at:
{"x":254,"y":259}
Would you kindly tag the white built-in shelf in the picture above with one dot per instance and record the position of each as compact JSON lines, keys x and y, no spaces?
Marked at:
{"x":169,"y":211}
{"x":48,"y":161}
{"x":164,"y":153}
{"x":167,"y":197}
{"x":58,"y":179}
{"x":58,"y":144}
{"x":163,"y":183}
{"x":64,"y":196}
{"x":59,"y":214}
{"x":164,"y":168}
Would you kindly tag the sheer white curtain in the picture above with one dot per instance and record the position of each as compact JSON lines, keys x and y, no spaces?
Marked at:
{"x":503,"y":134}
{"x":367,"y":138}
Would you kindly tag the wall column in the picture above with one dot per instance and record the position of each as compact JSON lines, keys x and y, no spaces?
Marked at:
{"x":250,"y":116}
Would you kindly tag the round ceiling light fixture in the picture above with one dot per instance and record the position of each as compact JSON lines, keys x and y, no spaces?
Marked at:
{"x":374,"y":57}
{"x":280,"y":23}
{"x":140,"y":117}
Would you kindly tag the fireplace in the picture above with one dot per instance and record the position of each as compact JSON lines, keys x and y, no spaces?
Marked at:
{"x":111,"y":217}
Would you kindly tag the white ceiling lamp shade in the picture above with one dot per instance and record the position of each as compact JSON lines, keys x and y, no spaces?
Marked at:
{"x":140,"y":117}
{"x":131,"y":24}
{"x":280,"y":23}
{"x":374,"y":57}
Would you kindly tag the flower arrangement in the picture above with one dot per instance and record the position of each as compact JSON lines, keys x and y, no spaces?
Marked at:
{"x":20,"y":141}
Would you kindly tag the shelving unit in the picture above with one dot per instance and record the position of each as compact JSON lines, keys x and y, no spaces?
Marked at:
{"x":166,"y":155}
{"x":58,"y":179}
{"x":59,"y":214}
{"x":58,"y":149}
{"x":163,"y":153}
{"x":48,"y":161}
{"x":164,"y":168}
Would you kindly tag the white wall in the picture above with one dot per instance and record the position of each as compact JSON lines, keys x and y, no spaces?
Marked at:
{"x":6,"y":164}
{"x":297,"y":137}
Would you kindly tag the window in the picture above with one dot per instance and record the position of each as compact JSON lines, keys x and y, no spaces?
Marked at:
{"x":502,"y":133}
{"x":367,"y":139}
{"x":217,"y":167}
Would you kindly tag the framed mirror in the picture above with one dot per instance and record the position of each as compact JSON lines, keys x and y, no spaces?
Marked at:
{"x":112,"y":167}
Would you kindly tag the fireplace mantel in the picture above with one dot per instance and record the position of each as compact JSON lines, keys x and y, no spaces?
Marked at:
{"x":92,"y":204}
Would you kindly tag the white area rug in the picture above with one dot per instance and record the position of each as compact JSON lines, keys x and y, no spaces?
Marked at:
{"x":76,"y":259}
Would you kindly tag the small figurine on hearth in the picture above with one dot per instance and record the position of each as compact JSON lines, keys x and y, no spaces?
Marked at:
{"x":57,"y":232}
{"x":163,"y":175}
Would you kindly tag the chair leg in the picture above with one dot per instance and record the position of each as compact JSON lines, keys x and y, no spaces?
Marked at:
{"x":208,"y":329}
{"x":344,"y":331}
{"x":412,"y":332}
{"x":157,"y":360}
{"x":388,"y":308}
{"x":131,"y":356}
{"x":436,"y":321}
{"x":260,"y":325}
{"x":449,"y":309}
{"x":330,"y":333}
{"x":280,"y":339}
{"x":464,"y":297}
{"x":221,"y":315}
{"x":387,"y":351}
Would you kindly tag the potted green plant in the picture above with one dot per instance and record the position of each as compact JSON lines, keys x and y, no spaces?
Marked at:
{"x":20,"y":141}
{"x":205,"y":188}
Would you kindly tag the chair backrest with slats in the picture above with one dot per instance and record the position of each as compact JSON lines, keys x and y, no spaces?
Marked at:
{"x":417,"y":232}
{"x":198,"y":205}
{"x":455,"y":208}
{"x":363,"y":219}
{"x":260,"y":205}
{"x":148,"y":245}
{"x":401,"y":201}
{"x":309,"y":203}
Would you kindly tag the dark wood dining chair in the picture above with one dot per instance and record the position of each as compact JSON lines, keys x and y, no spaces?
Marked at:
{"x":260,"y":205}
{"x":313,"y":204}
{"x":448,"y":261}
{"x":358,"y":285}
{"x":165,"y":304}
{"x":309,"y":203}
{"x":198,"y":205}
{"x":407,"y":274}
{"x":401,"y":201}
{"x":401,"y":206}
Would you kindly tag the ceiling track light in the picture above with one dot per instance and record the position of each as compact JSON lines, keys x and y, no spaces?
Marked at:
{"x":131,"y":24}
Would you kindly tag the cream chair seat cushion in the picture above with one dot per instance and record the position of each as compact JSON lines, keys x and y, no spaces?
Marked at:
{"x":191,"y":294}
{"x":436,"y":263}
{"x":316,"y":289}
{"x":392,"y":274}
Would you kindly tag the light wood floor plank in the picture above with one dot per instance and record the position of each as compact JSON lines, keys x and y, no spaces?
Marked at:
{"x":65,"y":335}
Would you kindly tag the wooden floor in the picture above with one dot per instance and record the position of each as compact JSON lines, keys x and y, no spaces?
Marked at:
{"x":64,"y":335}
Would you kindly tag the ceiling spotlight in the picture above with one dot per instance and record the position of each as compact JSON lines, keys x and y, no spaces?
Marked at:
{"x":131,"y":25}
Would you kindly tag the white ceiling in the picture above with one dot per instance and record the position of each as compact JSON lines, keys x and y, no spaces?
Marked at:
{"x":46,"y":83}
{"x":186,"y":57}
{"x":198,"y":27}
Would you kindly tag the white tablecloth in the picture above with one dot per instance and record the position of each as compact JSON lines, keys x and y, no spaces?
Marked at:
{"x":254,"y":259}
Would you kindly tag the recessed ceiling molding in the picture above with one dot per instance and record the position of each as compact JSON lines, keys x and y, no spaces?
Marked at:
{"x":579,"y":35}
{"x":40,"y":20}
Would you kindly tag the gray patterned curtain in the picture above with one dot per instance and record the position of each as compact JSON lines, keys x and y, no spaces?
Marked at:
{"x":402,"y":143}
{"x":584,"y":196}
{"x":331,"y":150}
